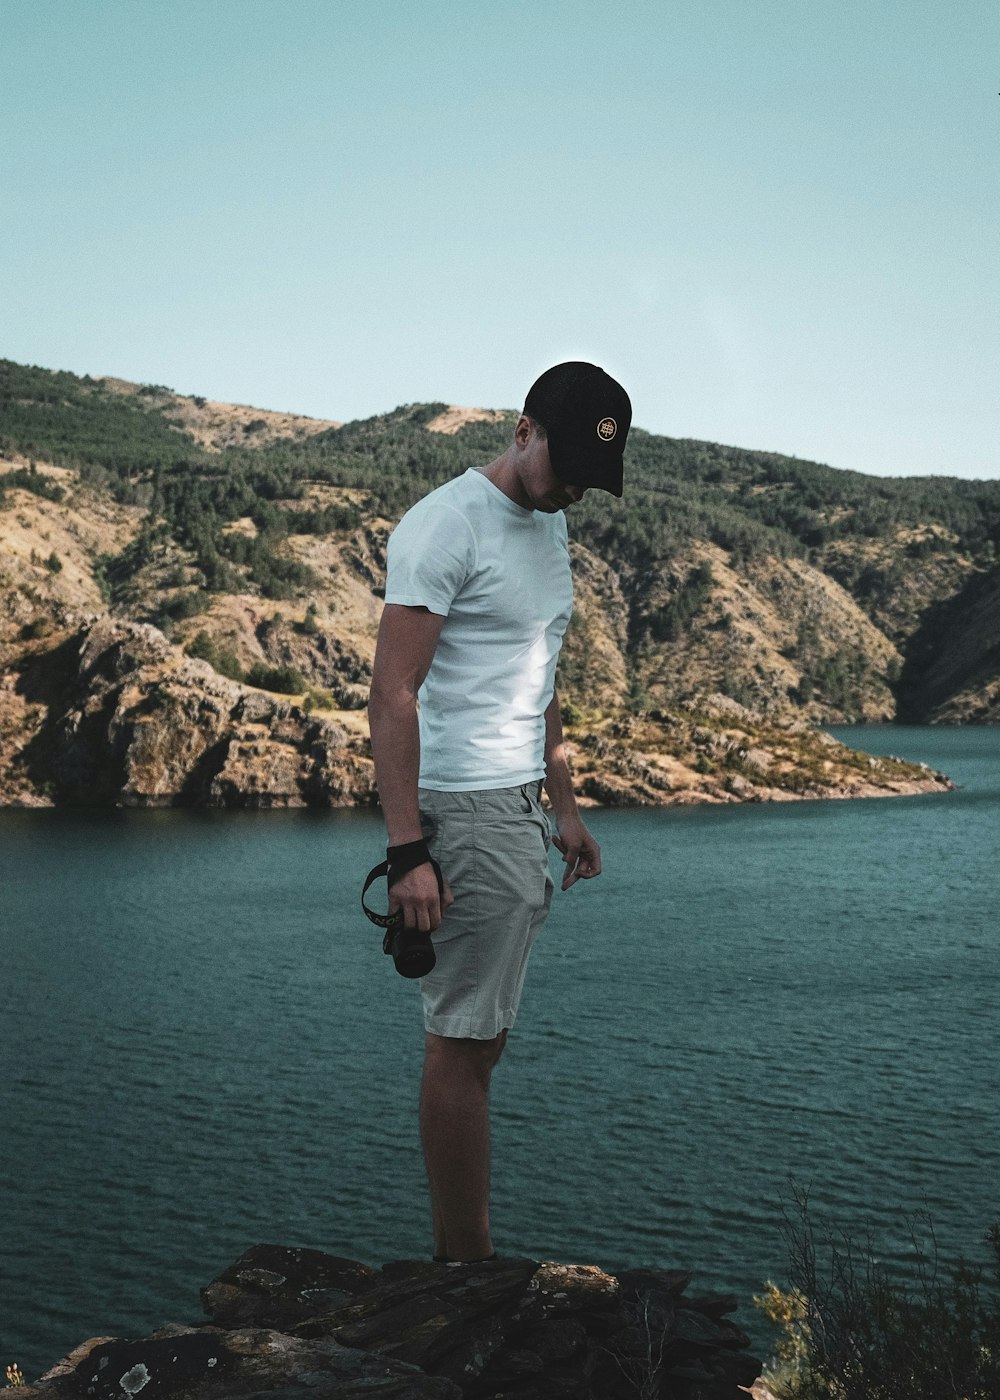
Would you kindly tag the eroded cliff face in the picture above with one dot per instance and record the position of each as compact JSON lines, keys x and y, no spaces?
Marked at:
{"x":119,"y":716}
{"x":760,"y":631}
{"x":112,"y":714}
{"x":955,"y":655}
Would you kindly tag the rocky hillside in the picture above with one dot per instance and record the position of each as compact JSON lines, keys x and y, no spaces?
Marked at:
{"x":190,"y":594}
{"x":98,"y":706}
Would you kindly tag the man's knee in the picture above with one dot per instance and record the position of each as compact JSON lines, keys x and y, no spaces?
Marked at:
{"x":477,"y":1056}
{"x":497,"y":1047}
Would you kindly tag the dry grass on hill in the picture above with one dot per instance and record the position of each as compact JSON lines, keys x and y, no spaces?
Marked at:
{"x":218,"y":425}
{"x":455,"y":417}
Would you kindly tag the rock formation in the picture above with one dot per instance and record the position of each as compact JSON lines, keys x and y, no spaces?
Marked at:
{"x":128,"y":719}
{"x":297,"y":1323}
{"x":113,"y":714}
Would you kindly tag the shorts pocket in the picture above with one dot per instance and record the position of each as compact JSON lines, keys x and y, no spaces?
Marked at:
{"x":513,"y":861}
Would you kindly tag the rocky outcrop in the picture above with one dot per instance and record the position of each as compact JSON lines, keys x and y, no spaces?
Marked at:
{"x":290,"y":1323}
{"x":113,"y":714}
{"x":952,"y":671}
{"x":717,"y":750}
{"x":128,"y":719}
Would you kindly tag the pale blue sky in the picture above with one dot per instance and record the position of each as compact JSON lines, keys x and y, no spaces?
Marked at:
{"x":775,"y":222}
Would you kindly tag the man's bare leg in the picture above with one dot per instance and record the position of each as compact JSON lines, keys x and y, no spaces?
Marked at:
{"x":455,"y":1131}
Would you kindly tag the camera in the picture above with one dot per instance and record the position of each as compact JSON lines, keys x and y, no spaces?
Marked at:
{"x":411,"y":951}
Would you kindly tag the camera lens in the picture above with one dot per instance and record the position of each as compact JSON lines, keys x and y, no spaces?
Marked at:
{"x":413,"y":953}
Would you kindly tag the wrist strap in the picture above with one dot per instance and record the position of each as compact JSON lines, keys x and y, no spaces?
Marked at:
{"x":404,"y":858}
{"x":395,"y":919}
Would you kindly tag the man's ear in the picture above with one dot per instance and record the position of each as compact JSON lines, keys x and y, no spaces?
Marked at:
{"x":523,"y":430}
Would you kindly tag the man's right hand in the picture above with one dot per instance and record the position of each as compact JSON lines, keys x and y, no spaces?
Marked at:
{"x":416,"y":893}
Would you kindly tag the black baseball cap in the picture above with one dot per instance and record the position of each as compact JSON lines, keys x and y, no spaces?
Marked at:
{"x":586,"y":416}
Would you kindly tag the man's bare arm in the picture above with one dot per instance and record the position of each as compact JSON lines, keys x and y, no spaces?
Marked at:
{"x":580,"y":852}
{"x":407,"y":640}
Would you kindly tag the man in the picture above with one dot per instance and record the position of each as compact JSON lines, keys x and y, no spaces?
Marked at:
{"x":478,"y":596}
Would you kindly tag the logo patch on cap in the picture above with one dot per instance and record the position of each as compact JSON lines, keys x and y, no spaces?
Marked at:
{"x":606,"y":429}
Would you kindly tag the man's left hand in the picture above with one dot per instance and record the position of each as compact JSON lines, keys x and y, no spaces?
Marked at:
{"x":579,"y":850}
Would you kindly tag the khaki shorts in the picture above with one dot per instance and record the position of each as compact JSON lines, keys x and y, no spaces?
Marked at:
{"x":492,"y":847}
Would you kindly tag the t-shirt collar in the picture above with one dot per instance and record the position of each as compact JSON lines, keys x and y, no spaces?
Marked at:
{"x":520,"y":512}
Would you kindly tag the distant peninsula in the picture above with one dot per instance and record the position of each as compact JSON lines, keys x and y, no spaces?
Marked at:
{"x":190,"y":593}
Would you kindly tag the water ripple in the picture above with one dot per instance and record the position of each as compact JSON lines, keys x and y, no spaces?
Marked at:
{"x":207,"y":1056}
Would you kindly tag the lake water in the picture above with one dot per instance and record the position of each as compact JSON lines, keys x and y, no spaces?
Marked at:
{"x":203,"y":1047}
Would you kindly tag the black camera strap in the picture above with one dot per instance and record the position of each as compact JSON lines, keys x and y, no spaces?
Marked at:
{"x":392,"y":869}
{"x":402,"y":859}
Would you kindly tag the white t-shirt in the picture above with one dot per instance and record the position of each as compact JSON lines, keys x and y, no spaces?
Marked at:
{"x":499,"y":575}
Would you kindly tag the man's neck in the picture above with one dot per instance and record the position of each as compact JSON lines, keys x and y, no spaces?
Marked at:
{"x":503,"y":474}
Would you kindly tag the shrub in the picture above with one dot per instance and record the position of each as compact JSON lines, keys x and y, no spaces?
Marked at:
{"x":286,"y":680}
{"x":37,"y":627}
{"x":186,"y":605}
{"x":318,"y":700}
{"x":102,"y":566}
{"x":852,"y":1332}
{"x":30,"y":479}
{"x":225,"y":662}
{"x":668,"y":623}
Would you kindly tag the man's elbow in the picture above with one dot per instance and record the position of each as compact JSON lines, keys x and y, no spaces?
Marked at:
{"x":390,"y":698}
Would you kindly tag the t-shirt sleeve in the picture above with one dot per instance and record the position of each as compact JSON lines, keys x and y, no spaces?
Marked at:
{"x":429,"y":557}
